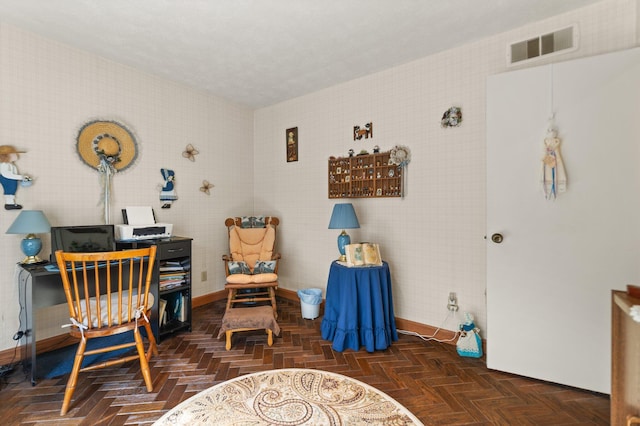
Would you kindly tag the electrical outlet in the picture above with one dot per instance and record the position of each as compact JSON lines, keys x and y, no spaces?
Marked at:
{"x":452,"y":303}
{"x":203,"y":276}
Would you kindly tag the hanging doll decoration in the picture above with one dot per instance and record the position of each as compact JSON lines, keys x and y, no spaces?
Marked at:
{"x":168,"y":192}
{"x":107,"y":147}
{"x":554,"y":178}
{"x":470,"y":343}
{"x":9,"y":176}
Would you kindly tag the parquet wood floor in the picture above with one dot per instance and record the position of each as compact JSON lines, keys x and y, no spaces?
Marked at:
{"x":430,"y":379}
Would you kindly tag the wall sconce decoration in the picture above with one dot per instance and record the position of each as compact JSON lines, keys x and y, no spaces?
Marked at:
{"x":366,"y":132}
{"x":451,"y":117}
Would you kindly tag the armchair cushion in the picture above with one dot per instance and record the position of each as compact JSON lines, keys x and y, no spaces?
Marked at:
{"x":116,"y":318}
{"x":264,"y":266}
{"x":251,"y":244}
{"x":238,"y":267}
{"x":251,"y":279}
{"x":252,"y":222}
{"x":265,"y":278}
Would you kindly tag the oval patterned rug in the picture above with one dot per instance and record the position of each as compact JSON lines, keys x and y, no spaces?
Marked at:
{"x":290,"y":397}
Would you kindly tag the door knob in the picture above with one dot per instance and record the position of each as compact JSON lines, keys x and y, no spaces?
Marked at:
{"x":497,"y":238}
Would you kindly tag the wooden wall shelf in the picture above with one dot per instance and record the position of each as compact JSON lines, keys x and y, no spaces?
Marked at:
{"x":364,"y":176}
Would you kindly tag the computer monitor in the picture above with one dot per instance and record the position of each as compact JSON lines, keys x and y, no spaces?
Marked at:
{"x":82,"y":239}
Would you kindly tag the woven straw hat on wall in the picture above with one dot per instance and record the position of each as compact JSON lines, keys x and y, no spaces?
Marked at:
{"x":109,"y":140}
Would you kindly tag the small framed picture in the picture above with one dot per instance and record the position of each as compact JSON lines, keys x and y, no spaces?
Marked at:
{"x":347,"y":178}
{"x":379,"y":192}
{"x":292,"y":144}
{"x":338,"y":170}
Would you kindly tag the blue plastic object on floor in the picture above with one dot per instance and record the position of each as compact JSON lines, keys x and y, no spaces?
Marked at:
{"x":311,"y":296}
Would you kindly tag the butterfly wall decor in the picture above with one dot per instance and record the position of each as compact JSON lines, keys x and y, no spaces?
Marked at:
{"x":190,"y":153}
{"x":206,"y":186}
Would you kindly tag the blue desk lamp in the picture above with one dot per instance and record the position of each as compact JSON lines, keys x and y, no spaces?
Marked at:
{"x":343,"y":217}
{"x":30,"y":222}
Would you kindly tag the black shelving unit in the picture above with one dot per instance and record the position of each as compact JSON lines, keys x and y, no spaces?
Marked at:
{"x":171,"y":283}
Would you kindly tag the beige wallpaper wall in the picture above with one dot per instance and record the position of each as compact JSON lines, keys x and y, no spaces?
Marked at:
{"x":48,"y":91}
{"x":433,"y":239}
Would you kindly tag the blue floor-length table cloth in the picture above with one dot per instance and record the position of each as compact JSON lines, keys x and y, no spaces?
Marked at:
{"x":359,"y":308}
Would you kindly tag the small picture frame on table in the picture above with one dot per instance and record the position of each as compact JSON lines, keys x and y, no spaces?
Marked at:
{"x":292,"y":144}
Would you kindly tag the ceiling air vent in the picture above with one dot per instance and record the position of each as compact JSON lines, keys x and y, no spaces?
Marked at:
{"x":564,"y":40}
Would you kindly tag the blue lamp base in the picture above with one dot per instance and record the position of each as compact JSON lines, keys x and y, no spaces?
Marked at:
{"x":343,"y":240}
{"x":31,"y":246}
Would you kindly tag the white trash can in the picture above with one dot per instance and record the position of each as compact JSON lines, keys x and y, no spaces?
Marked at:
{"x":310,"y":300}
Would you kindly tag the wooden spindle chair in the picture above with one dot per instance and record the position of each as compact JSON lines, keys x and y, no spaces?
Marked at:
{"x":108,"y":294}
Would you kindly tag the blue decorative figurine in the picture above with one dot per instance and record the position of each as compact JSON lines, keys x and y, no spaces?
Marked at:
{"x":168,"y":192}
{"x":469,"y":343}
{"x":9,"y":176}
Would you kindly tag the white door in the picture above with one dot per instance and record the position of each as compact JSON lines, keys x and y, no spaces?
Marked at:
{"x":549,"y":280}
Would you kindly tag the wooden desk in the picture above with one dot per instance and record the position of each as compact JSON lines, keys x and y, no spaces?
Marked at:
{"x":359,"y":308}
{"x":41,"y":288}
{"x":48,"y":292}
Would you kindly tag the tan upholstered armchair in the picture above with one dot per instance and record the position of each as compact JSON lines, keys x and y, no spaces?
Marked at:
{"x":252,"y":263}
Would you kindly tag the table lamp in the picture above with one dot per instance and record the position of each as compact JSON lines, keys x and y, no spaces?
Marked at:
{"x":30,"y":222}
{"x":343,"y":217}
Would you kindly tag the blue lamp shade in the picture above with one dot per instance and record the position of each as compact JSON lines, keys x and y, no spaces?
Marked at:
{"x":30,"y":222}
{"x":343,"y":217}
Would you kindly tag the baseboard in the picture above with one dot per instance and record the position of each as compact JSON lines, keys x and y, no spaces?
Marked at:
{"x":9,"y":356}
{"x":208,"y":298}
{"x":446,"y":336}
{"x":287,"y":294}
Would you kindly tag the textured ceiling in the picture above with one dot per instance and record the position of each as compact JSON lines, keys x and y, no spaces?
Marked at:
{"x":261,"y":52}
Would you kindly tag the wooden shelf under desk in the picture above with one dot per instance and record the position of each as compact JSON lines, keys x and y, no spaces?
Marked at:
{"x":40,"y":287}
{"x":172,"y":249}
